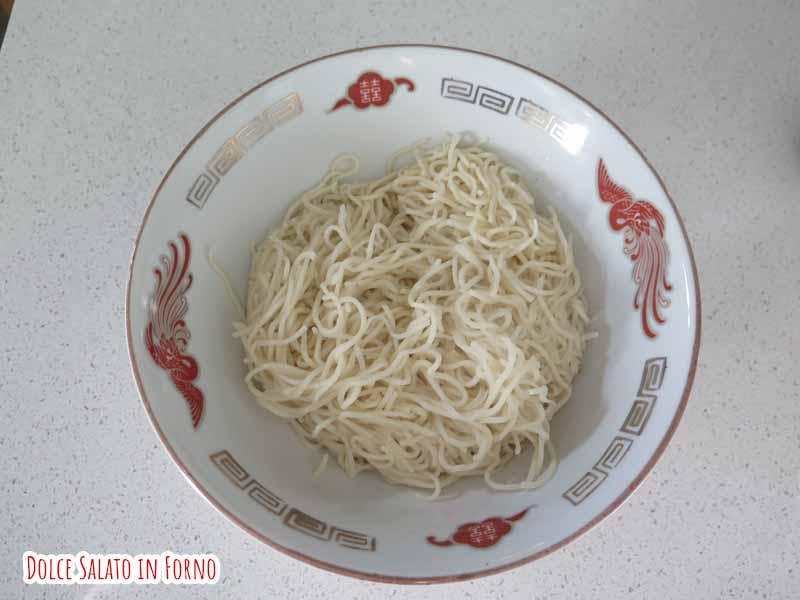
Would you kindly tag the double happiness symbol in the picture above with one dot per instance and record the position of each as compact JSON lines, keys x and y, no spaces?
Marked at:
{"x":371,"y":89}
{"x":481,"y":534}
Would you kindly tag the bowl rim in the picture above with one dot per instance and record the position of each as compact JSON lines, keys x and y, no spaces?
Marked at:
{"x":378,"y":577}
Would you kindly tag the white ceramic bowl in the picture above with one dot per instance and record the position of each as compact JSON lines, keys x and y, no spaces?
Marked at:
{"x":235,"y":179}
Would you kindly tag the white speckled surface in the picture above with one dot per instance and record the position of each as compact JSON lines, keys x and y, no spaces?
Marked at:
{"x":97,"y":99}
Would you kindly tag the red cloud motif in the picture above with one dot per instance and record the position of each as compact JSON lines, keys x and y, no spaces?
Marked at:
{"x":480,"y":535}
{"x":371,"y":89}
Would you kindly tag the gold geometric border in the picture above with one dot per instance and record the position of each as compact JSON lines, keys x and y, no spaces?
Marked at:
{"x":293,"y":518}
{"x":466,"y":91}
{"x":235,"y":147}
{"x":241,"y":479}
{"x":614,"y":454}
{"x":537,"y":116}
{"x":652,"y":379}
{"x":634,"y":424}
{"x":584,"y":487}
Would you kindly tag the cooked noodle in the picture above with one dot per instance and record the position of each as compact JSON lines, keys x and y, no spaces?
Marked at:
{"x":427,"y":324}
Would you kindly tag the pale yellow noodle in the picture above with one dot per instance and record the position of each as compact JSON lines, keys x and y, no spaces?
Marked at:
{"x":427,"y":324}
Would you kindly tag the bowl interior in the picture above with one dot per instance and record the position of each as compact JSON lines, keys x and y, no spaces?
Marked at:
{"x":234,"y":182}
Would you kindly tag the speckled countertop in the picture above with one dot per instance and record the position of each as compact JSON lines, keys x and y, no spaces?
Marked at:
{"x":96,"y":100}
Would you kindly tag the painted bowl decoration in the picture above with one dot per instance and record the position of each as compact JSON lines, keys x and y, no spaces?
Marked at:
{"x":235,"y":180}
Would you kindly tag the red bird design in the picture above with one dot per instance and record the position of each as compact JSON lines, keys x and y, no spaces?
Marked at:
{"x":167,"y":336}
{"x":643,"y":227}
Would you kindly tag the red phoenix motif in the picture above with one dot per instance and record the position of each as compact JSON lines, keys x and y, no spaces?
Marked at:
{"x":480,"y":535}
{"x":643,"y":227}
{"x":166,"y":335}
{"x":371,"y":89}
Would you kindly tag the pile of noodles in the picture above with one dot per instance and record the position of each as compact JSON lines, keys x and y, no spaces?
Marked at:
{"x":427,"y":324}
